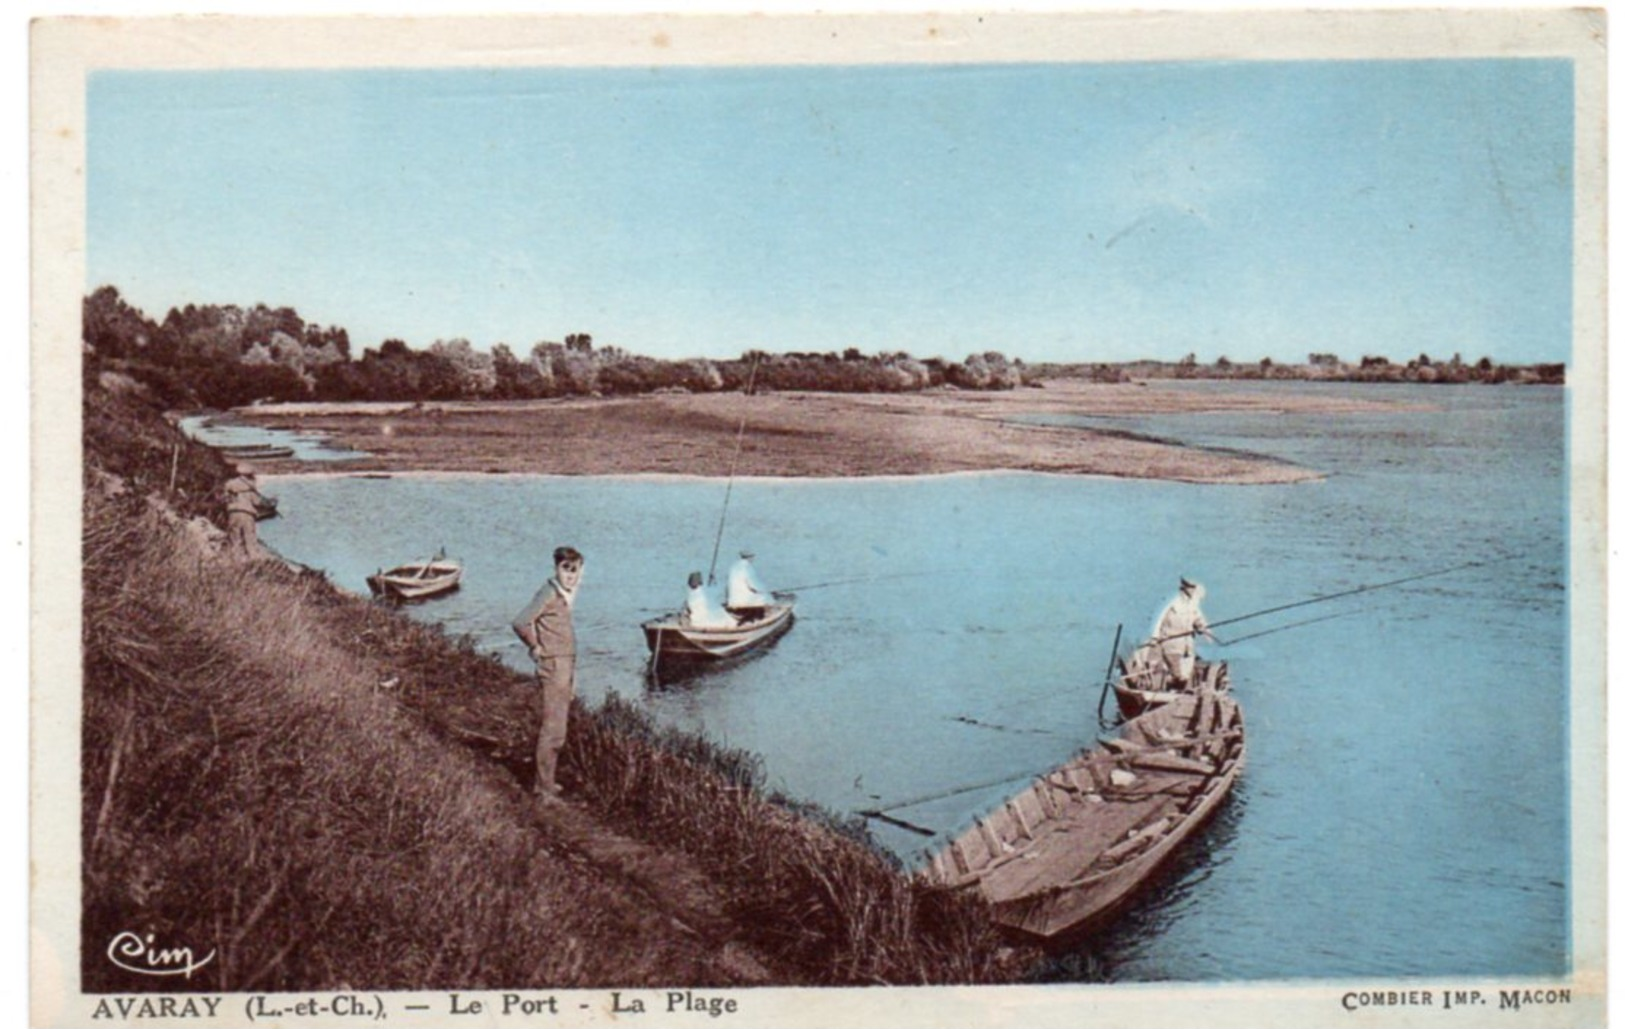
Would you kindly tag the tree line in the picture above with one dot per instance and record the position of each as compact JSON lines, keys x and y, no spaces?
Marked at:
{"x":228,"y":356}
{"x":1320,"y":366}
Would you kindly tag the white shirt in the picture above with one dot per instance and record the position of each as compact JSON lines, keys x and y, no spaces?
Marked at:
{"x":1182,"y":619}
{"x":743,"y":589}
{"x":700,"y":612}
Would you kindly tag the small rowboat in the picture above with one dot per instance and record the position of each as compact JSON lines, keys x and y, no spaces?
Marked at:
{"x":417,"y":581}
{"x":1069,"y":850}
{"x":1141,"y":686}
{"x":265,"y":507}
{"x":255,"y":452}
{"x":672,"y":643}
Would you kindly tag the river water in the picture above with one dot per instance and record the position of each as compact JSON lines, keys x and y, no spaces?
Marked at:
{"x":1404,"y":811}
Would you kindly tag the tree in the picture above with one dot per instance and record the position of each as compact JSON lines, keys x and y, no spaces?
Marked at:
{"x":113,"y":327}
{"x":476,"y":371}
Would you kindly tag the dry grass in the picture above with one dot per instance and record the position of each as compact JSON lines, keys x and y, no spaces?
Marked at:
{"x":809,"y":888}
{"x":248,"y":787}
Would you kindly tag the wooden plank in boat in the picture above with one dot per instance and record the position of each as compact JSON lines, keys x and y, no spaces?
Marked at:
{"x":1060,"y":855}
{"x":1171,"y":763}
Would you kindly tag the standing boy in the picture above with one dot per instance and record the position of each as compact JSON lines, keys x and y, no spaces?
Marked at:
{"x":546,"y":628}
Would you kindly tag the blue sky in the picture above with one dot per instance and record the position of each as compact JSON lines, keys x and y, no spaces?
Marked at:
{"x":1054,"y":212}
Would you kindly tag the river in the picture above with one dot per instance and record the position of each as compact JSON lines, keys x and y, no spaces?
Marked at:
{"x":1404,"y":811}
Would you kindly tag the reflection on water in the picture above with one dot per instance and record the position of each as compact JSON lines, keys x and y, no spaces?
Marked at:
{"x":1404,"y":807}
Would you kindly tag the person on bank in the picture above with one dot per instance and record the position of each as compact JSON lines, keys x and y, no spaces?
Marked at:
{"x":702,"y":612}
{"x":546,"y":628}
{"x":1174,"y":636}
{"x":242,"y":513}
{"x":747,"y":597}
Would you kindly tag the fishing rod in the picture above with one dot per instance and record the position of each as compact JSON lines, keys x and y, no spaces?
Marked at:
{"x":883,"y":814}
{"x":739,"y":443}
{"x":1291,"y":625}
{"x":1340,"y":594}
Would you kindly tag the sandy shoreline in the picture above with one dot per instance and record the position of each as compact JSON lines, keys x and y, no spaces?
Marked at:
{"x":794,"y":435}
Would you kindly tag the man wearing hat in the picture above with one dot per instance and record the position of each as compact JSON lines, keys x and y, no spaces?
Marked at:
{"x":747,"y":598}
{"x":1176,"y":631}
{"x":242,"y":502}
{"x":546,"y":627}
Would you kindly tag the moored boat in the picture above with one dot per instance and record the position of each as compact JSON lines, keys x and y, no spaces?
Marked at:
{"x":672,"y":642}
{"x":255,"y":452}
{"x":417,"y":581}
{"x":1070,"y":849}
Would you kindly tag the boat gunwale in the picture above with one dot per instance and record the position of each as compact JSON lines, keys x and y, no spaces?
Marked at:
{"x":742,"y":632}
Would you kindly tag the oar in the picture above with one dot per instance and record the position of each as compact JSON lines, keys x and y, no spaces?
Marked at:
{"x":430,"y":563}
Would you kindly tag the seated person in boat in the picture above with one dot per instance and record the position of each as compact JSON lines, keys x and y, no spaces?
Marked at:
{"x":747,"y":597}
{"x":700,"y":611}
{"x":1175,"y":634}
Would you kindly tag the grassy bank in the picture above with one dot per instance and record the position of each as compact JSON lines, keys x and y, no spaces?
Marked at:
{"x":332,"y":796}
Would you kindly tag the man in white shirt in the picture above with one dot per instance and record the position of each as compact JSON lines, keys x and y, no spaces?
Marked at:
{"x":700,"y":611}
{"x":747,"y":598}
{"x":1176,"y":630}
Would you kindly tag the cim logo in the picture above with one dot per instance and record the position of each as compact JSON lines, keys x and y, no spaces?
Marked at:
{"x":135,"y":953}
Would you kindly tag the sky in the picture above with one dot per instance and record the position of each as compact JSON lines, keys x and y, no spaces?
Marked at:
{"x":1054,"y":212}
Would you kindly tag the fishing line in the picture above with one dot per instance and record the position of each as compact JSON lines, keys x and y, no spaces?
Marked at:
{"x":1343,"y":593}
{"x":1292,"y":625}
{"x":862,"y":579}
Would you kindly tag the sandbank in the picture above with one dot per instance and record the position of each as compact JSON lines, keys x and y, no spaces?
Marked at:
{"x":798,"y":435}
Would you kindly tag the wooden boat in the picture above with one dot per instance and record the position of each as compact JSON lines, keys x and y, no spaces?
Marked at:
{"x":417,"y":581}
{"x":1141,"y":686}
{"x":1067,"y":851}
{"x":255,"y":452}
{"x":671,"y":643}
{"x":265,"y":507}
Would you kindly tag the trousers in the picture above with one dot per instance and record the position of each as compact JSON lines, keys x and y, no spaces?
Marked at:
{"x":241,"y":533}
{"x":555,"y":687}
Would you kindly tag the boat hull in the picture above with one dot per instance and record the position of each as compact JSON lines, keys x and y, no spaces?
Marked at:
{"x":256,"y":452}
{"x":1068,"y":852}
{"x":417,"y":582}
{"x":671,"y":642}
